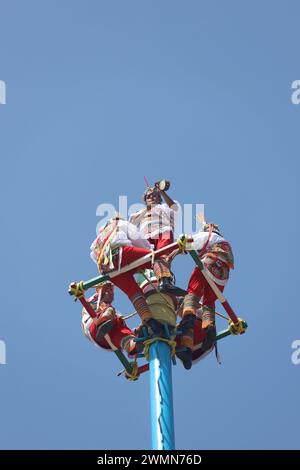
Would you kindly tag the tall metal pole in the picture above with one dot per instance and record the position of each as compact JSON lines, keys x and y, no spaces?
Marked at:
{"x":161,"y":397}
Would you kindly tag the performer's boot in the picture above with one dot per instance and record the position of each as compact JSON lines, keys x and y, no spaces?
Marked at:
{"x":166,"y":285}
{"x":162,"y":272}
{"x":186,"y":326}
{"x":143,"y":310}
{"x":208,"y":325}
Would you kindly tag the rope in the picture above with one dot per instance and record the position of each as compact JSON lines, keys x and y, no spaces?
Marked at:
{"x":125,"y":317}
{"x":134,"y":375}
{"x":222,"y":316}
{"x":106,"y":242}
{"x":151,"y":341}
{"x":152,"y":257}
{"x":217,"y":313}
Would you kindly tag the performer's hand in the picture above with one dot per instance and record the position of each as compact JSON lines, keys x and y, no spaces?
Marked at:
{"x":156,"y":187}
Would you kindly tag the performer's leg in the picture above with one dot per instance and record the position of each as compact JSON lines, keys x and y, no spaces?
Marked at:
{"x":199,"y":337}
{"x":190,"y":305}
{"x":122,"y":336}
{"x":99,"y":339}
{"x":161,"y":266}
{"x":208,"y":316}
{"x":195,"y":291}
{"x":165,"y":239}
{"x":129,"y":286}
{"x":127,"y":283}
{"x":209,"y":299}
{"x":102,"y":325}
{"x":199,"y":334}
{"x":186,"y":326}
{"x":132,"y":253}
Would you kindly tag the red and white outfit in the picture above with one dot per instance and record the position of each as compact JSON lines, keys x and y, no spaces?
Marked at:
{"x":194,"y":338}
{"x":120,"y":334}
{"x":118,"y":244}
{"x":156,"y":223}
{"x":217,"y":257}
{"x":157,"y":226}
{"x":199,"y":335}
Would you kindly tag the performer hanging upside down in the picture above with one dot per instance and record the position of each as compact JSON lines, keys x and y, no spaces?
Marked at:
{"x":198,"y":351}
{"x":118,"y":244}
{"x":107,"y":320}
{"x":156,"y":222}
{"x":217,"y":257}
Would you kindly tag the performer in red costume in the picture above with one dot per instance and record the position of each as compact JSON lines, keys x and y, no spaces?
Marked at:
{"x":118,"y":244}
{"x":156,"y":223}
{"x":198,"y":339}
{"x":216,"y":255}
{"x":107,"y":320}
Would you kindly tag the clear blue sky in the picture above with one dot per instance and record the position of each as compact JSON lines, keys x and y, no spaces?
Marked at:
{"x":100,"y":93}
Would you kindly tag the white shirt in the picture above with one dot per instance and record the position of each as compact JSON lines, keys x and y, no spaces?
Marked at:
{"x":126,"y":234}
{"x":158,"y":219}
{"x":200,"y":239}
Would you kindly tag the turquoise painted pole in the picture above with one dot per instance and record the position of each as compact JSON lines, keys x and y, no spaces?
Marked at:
{"x":161,"y":397}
